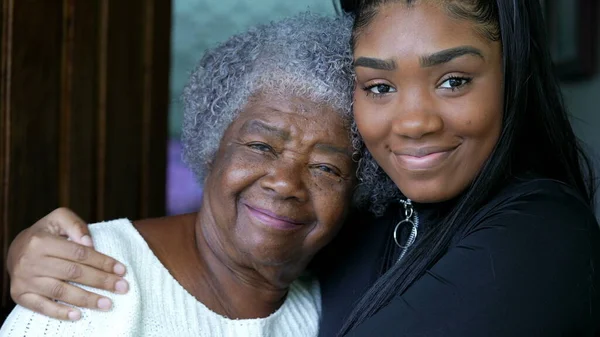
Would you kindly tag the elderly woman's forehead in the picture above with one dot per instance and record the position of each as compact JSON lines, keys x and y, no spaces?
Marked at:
{"x":262,"y":101}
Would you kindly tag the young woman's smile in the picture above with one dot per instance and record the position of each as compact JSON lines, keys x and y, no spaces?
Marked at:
{"x":428,"y":101}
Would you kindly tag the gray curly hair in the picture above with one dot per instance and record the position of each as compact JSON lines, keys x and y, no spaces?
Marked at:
{"x":375,"y":190}
{"x":306,"y":56}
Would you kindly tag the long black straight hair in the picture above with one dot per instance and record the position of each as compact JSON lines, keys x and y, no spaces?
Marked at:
{"x":536,"y":136}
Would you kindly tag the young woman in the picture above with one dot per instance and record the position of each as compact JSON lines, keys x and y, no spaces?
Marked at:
{"x":483,"y":197}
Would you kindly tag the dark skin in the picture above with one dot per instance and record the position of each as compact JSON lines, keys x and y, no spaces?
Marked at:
{"x":177,"y":244}
{"x":290,"y":160}
{"x":429,"y":101}
{"x":278,"y":191}
{"x":284,"y":157}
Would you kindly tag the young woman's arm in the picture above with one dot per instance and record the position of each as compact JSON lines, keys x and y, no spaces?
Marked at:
{"x":54,"y":251}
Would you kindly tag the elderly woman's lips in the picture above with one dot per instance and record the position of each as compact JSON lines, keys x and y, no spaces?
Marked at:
{"x":272,"y":220}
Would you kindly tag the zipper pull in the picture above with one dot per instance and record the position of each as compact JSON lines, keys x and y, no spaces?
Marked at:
{"x":409,"y":214}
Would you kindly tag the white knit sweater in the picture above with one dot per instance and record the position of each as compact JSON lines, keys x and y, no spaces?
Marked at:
{"x":157,"y":305}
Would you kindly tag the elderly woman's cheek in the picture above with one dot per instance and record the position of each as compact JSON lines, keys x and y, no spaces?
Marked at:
{"x":333,"y":201}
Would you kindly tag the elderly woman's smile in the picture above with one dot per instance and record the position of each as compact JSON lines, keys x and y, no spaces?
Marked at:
{"x":281,"y":182}
{"x":272,"y":219}
{"x":267,"y":130}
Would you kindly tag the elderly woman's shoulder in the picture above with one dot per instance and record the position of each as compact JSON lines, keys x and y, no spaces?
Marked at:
{"x":117,"y":238}
{"x":126,"y":241}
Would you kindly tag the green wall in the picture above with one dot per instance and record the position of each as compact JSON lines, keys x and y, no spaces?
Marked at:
{"x":198,"y":24}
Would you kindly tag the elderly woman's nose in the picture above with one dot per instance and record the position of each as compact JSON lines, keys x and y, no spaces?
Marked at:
{"x":286,"y":180}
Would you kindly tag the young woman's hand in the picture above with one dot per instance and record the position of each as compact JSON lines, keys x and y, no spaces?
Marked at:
{"x":55,"y":250}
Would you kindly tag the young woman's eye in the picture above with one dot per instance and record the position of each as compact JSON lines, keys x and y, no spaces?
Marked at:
{"x":454,"y":83}
{"x":262,"y":147}
{"x":378,"y":89}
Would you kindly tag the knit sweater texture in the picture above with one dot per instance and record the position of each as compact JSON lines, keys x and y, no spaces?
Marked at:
{"x":157,"y":305}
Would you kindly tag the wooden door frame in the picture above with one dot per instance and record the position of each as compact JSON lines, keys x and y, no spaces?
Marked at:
{"x":84,"y":97}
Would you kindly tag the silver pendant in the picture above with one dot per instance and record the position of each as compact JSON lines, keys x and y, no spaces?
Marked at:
{"x":409,"y":214}
{"x":411,"y":238}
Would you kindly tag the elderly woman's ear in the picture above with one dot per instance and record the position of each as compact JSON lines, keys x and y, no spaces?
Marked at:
{"x":208,"y":168}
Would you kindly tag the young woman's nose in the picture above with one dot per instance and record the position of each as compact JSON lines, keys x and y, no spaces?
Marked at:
{"x":416,"y":115}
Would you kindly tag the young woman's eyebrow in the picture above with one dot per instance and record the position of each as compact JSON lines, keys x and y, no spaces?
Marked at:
{"x":431,"y":60}
{"x":447,"y":55}
{"x":375,"y":63}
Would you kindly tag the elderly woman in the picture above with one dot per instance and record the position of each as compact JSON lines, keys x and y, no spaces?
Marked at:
{"x":266,"y":128}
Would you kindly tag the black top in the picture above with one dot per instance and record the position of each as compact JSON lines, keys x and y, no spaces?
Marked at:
{"x":527,"y":269}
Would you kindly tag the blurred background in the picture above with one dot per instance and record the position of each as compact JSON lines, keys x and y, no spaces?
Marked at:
{"x":197,"y":25}
{"x":89,"y":110}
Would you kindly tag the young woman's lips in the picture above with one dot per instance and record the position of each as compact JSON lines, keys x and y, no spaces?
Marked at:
{"x":272,"y":220}
{"x":423,"y":159}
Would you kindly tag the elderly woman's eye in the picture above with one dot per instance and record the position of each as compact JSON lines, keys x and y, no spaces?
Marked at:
{"x":261,"y":147}
{"x":328,"y":169}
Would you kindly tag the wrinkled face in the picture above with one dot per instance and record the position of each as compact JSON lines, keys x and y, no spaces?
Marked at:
{"x":281,"y":182}
{"x":428,"y":100}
